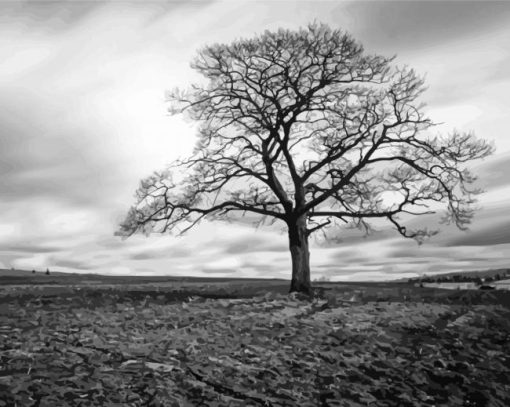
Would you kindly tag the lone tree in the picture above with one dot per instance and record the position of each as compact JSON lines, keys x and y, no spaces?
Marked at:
{"x":305,"y":128}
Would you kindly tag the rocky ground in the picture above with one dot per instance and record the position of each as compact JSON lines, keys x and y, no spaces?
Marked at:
{"x":354,"y":346}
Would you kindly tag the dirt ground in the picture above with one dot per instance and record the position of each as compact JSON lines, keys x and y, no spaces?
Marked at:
{"x":242,"y":343}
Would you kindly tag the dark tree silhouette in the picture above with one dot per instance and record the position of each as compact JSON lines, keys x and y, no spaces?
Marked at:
{"x":304,"y":128}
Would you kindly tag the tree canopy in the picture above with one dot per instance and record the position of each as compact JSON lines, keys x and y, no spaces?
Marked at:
{"x":304,"y":127}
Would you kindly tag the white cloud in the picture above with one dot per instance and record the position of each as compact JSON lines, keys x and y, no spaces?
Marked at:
{"x":456,"y":116}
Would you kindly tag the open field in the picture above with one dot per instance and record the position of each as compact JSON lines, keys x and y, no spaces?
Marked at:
{"x":238,"y":343}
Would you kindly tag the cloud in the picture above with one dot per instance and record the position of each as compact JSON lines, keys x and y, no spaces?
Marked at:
{"x":488,"y":236}
{"x":424,"y":252}
{"x":419,"y":24}
{"x":487,"y":225}
{"x":55,"y":15}
{"x":250,"y":244}
{"x":351,"y":254}
{"x":493,"y":173}
{"x":29,"y":248}
{"x":341,"y":235}
{"x":147,"y":255}
{"x":173,"y":252}
{"x":71,"y":264}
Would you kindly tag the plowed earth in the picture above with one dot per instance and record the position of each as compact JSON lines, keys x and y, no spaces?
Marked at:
{"x":350,"y":346}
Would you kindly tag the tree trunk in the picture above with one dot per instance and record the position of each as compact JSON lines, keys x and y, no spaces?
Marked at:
{"x":298,"y":243}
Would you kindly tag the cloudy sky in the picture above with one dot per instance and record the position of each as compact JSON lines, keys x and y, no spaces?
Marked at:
{"x":82,"y":120}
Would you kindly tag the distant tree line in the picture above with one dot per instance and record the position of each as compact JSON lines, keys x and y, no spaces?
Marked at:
{"x":460,"y":278}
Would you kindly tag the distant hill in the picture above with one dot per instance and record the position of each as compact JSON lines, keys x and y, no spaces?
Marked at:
{"x":17,"y":273}
{"x":9,"y":276}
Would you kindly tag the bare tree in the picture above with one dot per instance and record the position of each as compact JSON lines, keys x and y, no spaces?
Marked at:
{"x":303,"y":127}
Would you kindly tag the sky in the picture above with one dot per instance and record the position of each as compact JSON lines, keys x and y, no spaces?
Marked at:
{"x":83,"y":119}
